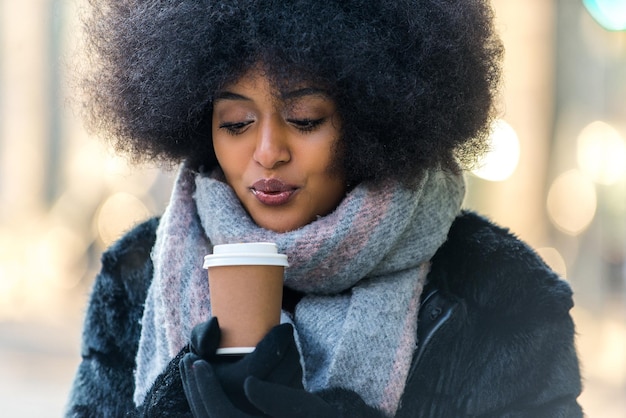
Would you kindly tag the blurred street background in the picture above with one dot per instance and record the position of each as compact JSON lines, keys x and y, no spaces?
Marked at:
{"x":556,"y":177}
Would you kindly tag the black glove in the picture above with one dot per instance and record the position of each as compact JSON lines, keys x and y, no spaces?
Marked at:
{"x":280,"y":401}
{"x":204,"y":392}
{"x":267,"y":381}
{"x":214,"y":385}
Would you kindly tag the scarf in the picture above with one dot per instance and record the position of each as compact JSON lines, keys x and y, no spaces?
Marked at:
{"x":362,"y":269}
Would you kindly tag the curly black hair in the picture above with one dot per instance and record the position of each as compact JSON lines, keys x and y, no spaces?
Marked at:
{"x":415,"y":81}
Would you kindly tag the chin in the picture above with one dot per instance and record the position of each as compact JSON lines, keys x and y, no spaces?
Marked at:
{"x":280,"y":226}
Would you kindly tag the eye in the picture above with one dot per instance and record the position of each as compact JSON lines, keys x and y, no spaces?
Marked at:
{"x":306,"y":125}
{"x":235,"y":128}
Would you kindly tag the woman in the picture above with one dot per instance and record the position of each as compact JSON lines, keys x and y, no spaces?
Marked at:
{"x":338,"y":131}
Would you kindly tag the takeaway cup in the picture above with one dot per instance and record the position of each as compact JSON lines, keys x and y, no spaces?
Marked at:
{"x":246,"y":290}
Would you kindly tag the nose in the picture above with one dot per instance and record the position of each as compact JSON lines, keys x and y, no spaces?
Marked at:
{"x":272,"y":147}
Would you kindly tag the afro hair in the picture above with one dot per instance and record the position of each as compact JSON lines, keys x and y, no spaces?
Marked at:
{"x":415,"y":81}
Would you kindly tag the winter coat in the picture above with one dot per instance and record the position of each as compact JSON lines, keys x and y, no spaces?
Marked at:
{"x":495,"y":338}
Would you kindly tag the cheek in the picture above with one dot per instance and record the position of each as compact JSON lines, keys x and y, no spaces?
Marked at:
{"x":217,"y":149}
{"x":223,"y":147}
{"x":331,"y":181}
{"x":222,"y":159}
{"x":330,"y":161}
{"x":229,"y":158}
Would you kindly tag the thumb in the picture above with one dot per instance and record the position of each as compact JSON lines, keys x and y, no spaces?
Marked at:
{"x":205,"y":338}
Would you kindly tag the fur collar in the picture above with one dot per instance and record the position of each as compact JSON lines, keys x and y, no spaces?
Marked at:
{"x":491,"y":269}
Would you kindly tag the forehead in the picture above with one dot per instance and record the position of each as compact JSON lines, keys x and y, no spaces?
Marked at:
{"x":257,"y":80}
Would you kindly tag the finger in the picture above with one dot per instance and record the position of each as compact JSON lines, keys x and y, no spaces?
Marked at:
{"x":277,"y":340}
{"x":281,"y":401}
{"x":205,"y":338}
{"x":214,"y":400}
{"x":276,"y":348}
{"x":286,"y":369}
{"x":191,"y":389}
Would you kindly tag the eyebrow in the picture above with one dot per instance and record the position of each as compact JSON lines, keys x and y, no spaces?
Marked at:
{"x":290,"y":95}
{"x":307,"y":91}
{"x":227,"y":95}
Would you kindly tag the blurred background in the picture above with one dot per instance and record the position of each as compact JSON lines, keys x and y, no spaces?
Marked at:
{"x":556,"y":176}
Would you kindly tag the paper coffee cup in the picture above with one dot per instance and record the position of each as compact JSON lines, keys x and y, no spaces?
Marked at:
{"x":246,"y":290}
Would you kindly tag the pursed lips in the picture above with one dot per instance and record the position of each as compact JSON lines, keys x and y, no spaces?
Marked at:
{"x":272,"y":191}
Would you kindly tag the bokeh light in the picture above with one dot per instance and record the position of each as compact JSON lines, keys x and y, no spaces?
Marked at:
{"x":610,"y":14}
{"x":9,"y":269}
{"x":503,"y":156}
{"x":602,"y":153}
{"x":119,"y":175}
{"x":572,"y":202}
{"x":58,"y":257}
{"x":117,"y":214}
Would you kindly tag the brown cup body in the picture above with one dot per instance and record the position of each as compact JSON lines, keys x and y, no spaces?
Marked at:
{"x":246,"y":299}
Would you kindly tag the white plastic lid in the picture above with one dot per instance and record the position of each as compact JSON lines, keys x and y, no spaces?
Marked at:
{"x":246,"y":254}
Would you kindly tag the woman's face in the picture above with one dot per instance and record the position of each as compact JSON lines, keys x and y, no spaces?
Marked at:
{"x":277,"y":151}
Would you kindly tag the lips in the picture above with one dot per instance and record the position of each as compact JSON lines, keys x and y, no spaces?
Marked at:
{"x":273,"y":192}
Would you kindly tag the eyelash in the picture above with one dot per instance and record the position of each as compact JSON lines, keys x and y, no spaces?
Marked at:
{"x":306,"y":125}
{"x":303,"y":125}
{"x":235,"y":128}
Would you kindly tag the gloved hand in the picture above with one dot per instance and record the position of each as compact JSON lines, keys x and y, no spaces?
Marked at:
{"x":204,"y":392}
{"x":267,"y":381}
{"x":280,"y":401}
{"x":207,"y":398}
{"x":214,"y":385}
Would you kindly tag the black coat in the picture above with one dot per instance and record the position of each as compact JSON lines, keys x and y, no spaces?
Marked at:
{"x":495,"y":338}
